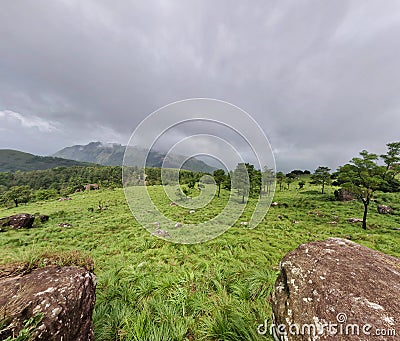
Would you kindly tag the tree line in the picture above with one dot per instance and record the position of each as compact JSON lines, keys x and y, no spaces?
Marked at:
{"x":363,"y":176}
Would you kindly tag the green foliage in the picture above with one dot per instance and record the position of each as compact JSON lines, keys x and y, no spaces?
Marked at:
{"x":45,"y":194}
{"x":280,"y":177}
{"x":14,"y":160}
{"x":241,"y":180}
{"x":267,"y":178}
{"x":17,"y":195}
{"x":363,"y":176}
{"x":322,"y":177}
{"x":151,"y":289}
{"x":219,"y":178}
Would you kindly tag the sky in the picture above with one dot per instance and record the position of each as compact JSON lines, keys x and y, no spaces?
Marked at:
{"x":321,"y":78}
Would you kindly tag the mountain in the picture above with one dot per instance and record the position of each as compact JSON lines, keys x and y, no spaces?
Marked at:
{"x":13,"y":160}
{"x":112,"y":154}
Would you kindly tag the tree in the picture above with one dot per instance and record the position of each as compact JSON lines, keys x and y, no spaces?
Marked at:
{"x":219,"y":177}
{"x":289,"y":178}
{"x":279,"y":178}
{"x":255,"y":180}
{"x":268,"y":178}
{"x":241,"y":180}
{"x":321,"y":177}
{"x":392,"y":163}
{"x":17,"y":194}
{"x":301,"y":184}
{"x":227,"y":183}
{"x":363,"y":176}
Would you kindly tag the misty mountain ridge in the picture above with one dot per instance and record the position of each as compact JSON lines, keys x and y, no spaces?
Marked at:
{"x":112,"y":154}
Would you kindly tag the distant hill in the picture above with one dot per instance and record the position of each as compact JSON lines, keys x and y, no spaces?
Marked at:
{"x":112,"y":154}
{"x":13,"y":160}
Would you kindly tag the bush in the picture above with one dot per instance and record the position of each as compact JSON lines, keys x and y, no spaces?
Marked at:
{"x":45,"y":194}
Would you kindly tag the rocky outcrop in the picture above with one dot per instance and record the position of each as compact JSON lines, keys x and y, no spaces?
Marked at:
{"x":383,"y":209}
{"x":343,"y":194}
{"x":43,"y":218}
{"x":332,"y":289}
{"x":90,"y":187}
{"x":18,"y":221}
{"x":61,"y":299}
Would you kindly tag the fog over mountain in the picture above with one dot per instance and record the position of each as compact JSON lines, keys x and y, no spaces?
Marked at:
{"x":112,"y":154}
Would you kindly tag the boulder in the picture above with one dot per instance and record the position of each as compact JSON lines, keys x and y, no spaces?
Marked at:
{"x":43,"y":218}
{"x":355,"y":220}
{"x":343,"y":195}
{"x":65,"y":225}
{"x":161,"y":233}
{"x":90,"y":187}
{"x":61,"y":299}
{"x":18,"y":221}
{"x":383,"y":209}
{"x":327,"y":290}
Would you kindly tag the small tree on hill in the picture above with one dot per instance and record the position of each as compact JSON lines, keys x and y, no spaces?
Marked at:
{"x":279,"y":178}
{"x":322,"y":177}
{"x":268,"y":178}
{"x":392,"y":165}
{"x":219,"y":177}
{"x":289,"y":178}
{"x":17,"y":194}
{"x":363,"y":176}
{"x":241,"y":180}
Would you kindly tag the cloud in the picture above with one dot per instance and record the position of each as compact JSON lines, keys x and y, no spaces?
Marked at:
{"x":321,"y":78}
{"x":28,"y":121}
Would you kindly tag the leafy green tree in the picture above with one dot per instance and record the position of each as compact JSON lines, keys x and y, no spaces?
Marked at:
{"x":45,"y":194}
{"x":227,"y":183}
{"x":363,"y":176}
{"x":301,"y":184}
{"x":322,"y":177}
{"x":280,"y":177}
{"x":392,"y":164}
{"x":241,"y":180}
{"x":17,"y":194}
{"x":219,"y":177}
{"x":289,"y":178}
{"x":255,"y":181}
{"x":268,"y":178}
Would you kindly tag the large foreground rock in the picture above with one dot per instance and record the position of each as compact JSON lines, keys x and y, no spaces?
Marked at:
{"x":18,"y":221}
{"x":64,"y":295}
{"x":339,"y":282}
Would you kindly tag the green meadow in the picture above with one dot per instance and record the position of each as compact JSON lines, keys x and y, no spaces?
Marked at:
{"x":152,"y":289}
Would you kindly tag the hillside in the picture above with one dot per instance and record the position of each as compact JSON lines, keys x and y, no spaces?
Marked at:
{"x":112,"y":154}
{"x":206,"y":290}
{"x":13,"y":160}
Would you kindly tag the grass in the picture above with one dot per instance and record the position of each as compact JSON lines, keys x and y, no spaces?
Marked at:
{"x":152,"y":289}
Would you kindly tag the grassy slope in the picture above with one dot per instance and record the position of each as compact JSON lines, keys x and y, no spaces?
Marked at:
{"x":13,"y":160}
{"x":150,"y":289}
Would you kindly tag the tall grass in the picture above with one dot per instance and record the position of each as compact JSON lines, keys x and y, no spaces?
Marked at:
{"x":151,"y":289}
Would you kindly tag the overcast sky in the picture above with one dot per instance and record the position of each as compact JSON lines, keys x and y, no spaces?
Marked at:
{"x":322,"y":78}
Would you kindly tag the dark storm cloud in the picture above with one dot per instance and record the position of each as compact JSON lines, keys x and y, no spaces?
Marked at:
{"x":321,"y":78}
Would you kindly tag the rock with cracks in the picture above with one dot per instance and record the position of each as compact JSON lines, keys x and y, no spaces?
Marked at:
{"x":337,"y":282}
{"x":383,"y":209}
{"x":18,"y":221}
{"x":61,"y":299}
